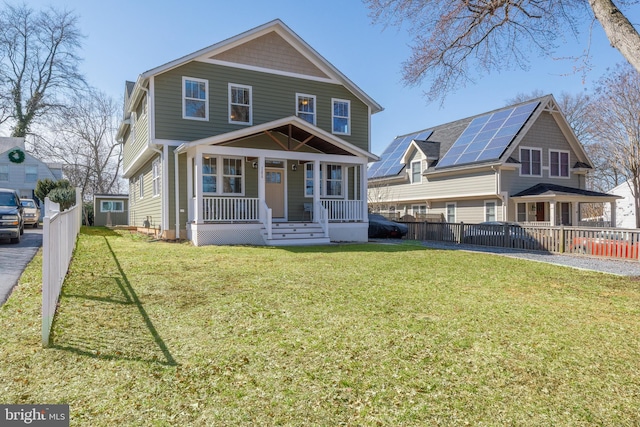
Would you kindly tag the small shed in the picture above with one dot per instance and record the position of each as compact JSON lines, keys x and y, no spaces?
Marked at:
{"x":110,"y":209}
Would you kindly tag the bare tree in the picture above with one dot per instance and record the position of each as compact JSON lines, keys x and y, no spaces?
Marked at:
{"x":38,"y":63}
{"x":616,"y":116}
{"x":82,"y":138}
{"x":454,"y":40}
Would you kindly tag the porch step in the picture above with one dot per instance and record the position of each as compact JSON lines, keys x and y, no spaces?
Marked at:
{"x":295,"y":234}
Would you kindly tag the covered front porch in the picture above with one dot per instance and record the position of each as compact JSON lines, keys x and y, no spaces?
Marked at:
{"x":553,"y":205}
{"x":276,"y":186}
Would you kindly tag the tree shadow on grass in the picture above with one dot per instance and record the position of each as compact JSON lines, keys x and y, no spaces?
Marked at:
{"x":101,"y":316}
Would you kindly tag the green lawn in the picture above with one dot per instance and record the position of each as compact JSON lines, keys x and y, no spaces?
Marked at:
{"x":152,"y":333}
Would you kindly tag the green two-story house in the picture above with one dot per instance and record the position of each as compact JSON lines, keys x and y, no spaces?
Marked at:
{"x":254,"y":140}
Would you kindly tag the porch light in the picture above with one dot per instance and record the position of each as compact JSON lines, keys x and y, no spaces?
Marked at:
{"x":254,"y":165}
{"x":294,"y":167}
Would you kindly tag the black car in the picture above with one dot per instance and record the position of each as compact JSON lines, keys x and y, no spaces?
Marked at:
{"x":499,"y":233}
{"x":379,"y":226}
{"x":11,"y":215}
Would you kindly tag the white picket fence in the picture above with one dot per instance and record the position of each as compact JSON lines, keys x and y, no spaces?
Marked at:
{"x":59,"y":233}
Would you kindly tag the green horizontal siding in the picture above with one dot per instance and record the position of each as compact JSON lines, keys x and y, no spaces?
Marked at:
{"x":273,"y":98}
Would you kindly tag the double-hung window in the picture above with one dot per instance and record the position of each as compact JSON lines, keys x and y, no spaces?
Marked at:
{"x":141,"y":186}
{"x":530,"y":161}
{"x":451,"y":212}
{"x":341,"y":116}
{"x":155,"y":177}
{"x":306,"y":107}
{"x":240,"y":104}
{"x":231,"y":176}
{"x":334,"y":181}
{"x":31,"y":173}
{"x":559,"y":164}
{"x":489,"y":211}
{"x":416,"y":172}
{"x":4,"y":172}
{"x":195,"y":102}
{"x":209,"y":174}
{"x":331,"y":180}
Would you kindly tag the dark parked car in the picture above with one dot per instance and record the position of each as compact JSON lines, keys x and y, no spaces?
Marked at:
{"x":379,"y":226}
{"x":11,"y":211}
{"x":499,"y":233}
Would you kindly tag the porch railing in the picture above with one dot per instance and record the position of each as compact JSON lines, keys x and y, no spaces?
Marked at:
{"x":230,"y":209}
{"x":323,"y":218}
{"x":267,"y":219}
{"x":344,"y":210}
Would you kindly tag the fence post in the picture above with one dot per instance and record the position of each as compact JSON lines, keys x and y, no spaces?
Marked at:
{"x":562,"y":239}
{"x":460,"y":236}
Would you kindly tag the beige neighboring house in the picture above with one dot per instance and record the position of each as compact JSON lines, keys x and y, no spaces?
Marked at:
{"x":520,"y":163}
{"x":21,"y":171}
{"x":257,"y":139}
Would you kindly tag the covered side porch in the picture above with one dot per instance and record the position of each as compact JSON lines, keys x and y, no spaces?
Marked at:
{"x":286,"y":183}
{"x":555,"y":205}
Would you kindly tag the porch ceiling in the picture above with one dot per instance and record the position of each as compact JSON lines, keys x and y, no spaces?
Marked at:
{"x":297,"y":137}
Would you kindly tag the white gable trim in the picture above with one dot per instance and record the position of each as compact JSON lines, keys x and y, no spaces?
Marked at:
{"x":267,"y":70}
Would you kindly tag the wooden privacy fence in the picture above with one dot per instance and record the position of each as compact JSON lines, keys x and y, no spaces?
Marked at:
{"x":59,"y":233}
{"x":601,"y":242}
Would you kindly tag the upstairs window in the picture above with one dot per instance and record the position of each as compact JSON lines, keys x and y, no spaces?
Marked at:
{"x":416,"y":172}
{"x":559,"y":164}
{"x":31,"y":173}
{"x":240,"y":104}
{"x":195,"y":102}
{"x":306,"y":107}
{"x":531,"y":161}
{"x":341,"y":116}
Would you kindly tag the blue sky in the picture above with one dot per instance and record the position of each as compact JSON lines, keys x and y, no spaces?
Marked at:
{"x":126,"y":38}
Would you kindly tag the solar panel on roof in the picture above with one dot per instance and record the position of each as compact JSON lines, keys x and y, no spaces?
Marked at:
{"x":390,"y":161}
{"x":486,"y":137}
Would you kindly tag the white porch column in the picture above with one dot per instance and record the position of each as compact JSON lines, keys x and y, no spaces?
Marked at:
{"x":316,"y":189}
{"x":262,"y":192}
{"x":362,"y":171}
{"x":197,"y":217}
{"x":575,"y":215}
{"x":552,"y":213}
{"x":612,"y":206}
{"x":190,"y":189}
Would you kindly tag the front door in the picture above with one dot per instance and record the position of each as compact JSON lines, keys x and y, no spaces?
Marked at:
{"x":274,"y":189}
{"x":540,"y":213}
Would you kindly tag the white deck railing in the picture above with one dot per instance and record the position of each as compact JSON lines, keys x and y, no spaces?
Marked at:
{"x":535,"y":223}
{"x":59,"y":233}
{"x":267,"y":219}
{"x":344,"y":210}
{"x":230,"y":209}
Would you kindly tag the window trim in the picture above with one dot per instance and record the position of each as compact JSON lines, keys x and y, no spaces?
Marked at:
{"x":455,"y":211}
{"x":531,"y":149}
{"x":495,"y":210}
{"x":102,"y":210}
{"x":413,"y":175}
{"x":315,"y":107}
{"x":206,"y":99}
{"x":155,"y":178}
{"x":230,"y":87}
{"x":560,"y":152}
{"x":333,"y":116}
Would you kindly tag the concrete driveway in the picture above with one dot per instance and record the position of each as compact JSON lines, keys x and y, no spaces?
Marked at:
{"x":14,"y":258}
